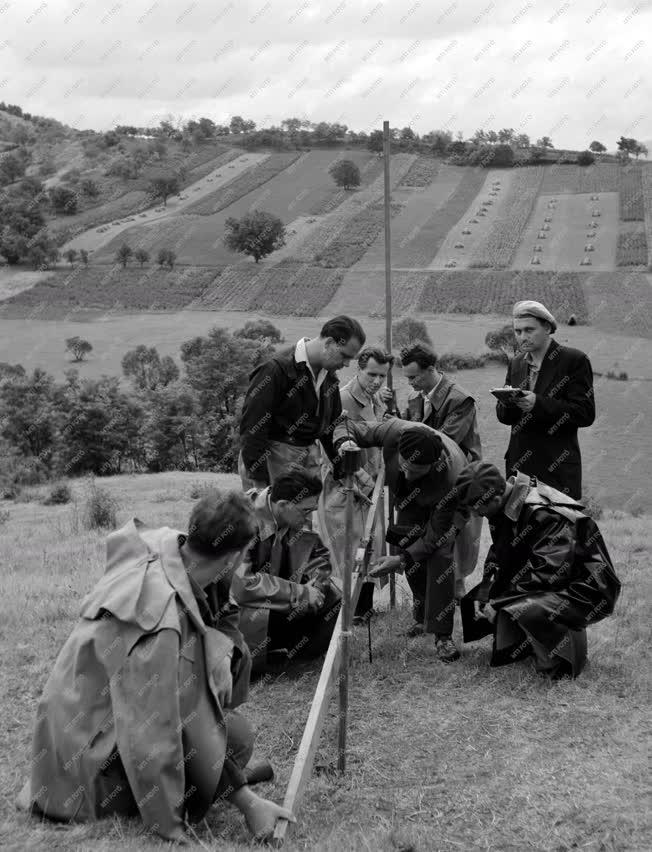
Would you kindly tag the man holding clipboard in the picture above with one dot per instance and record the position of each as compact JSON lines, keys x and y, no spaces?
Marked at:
{"x":548,"y":396}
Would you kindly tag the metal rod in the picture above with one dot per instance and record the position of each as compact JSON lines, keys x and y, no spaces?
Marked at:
{"x":350,"y":465}
{"x":388,"y":316}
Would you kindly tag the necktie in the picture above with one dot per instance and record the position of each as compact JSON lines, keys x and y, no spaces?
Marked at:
{"x":427,"y":408}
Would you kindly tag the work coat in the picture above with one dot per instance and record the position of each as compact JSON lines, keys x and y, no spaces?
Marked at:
{"x":129,"y":721}
{"x":543,"y":441}
{"x":454,"y":413}
{"x":548,"y":574}
{"x":428,"y":506}
{"x":257,"y":586}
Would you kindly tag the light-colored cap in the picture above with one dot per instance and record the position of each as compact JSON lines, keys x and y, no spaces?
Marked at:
{"x":530,"y":308}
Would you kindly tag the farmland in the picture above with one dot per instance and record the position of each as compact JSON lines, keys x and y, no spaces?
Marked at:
{"x":632,"y":208}
{"x":631,"y":249}
{"x":497,"y":249}
{"x":463,"y":239}
{"x":600,"y":177}
{"x":570,"y":230}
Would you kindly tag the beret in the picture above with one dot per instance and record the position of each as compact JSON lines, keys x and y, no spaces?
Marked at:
{"x":479,"y":481}
{"x":420,"y":447}
{"x":529,"y":308}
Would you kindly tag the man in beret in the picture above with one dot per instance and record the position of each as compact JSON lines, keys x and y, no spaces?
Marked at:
{"x":547,"y":575}
{"x":421,"y":467}
{"x":556,"y":400}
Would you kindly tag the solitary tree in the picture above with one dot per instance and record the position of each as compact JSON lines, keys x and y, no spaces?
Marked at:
{"x":142,"y":256}
{"x":83,"y":256}
{"x":597,"y":147}
{"x":79,"y":347}
{"x":164,"y":186}
{"x":345,"y":173}
{"x":89,"y":188}
{"x":260,"y":329}
{"x":545,"y":142}
{"x":408,"y":330}
{"x":123,"y":255}
{"x":70,"y":255}
{"x":257,"y":234}
{"x":63,"y":200}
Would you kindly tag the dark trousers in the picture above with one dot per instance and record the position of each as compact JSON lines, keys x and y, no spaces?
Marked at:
{"x":305,"y":636}
{"x":433,"y":591}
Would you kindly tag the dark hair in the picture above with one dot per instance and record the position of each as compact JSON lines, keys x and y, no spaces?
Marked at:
{"x":342,"y":329}
{"x":295,"y":485}
{"x":221,"y":522}
{"x":379,"y":355}
{"x":419,"y":353}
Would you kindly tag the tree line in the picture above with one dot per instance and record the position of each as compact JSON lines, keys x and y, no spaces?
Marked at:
{"x":163,"y":417}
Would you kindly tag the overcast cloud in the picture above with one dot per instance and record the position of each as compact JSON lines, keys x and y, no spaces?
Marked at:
{"x":575,"y":71}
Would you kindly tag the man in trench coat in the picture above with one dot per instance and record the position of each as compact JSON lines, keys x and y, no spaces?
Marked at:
{"x":137,"y":716}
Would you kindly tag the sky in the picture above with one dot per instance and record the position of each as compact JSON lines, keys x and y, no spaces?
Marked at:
{"x":574,"y":71}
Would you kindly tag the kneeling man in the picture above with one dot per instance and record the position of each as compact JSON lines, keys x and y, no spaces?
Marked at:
{"x":137,"y":715}
{"x":547,"y":575}
{"x":283,"y":585}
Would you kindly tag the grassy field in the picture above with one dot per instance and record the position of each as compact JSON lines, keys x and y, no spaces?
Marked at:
{"x":440,"y":757}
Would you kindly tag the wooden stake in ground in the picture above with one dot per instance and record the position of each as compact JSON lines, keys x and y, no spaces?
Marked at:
{"x":388,"y":315}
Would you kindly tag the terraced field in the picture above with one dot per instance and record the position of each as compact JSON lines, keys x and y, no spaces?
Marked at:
{"x":570,"y":231}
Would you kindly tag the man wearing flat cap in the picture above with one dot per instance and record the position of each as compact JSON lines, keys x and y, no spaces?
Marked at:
{"x":421,"y":467}
{"x":547,"y":576}
{"x":556,"y":400}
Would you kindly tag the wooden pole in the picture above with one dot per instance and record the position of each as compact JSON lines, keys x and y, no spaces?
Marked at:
{"x":351,"y":460}
{"x":311,"y":733}
{"x":388,"y":315}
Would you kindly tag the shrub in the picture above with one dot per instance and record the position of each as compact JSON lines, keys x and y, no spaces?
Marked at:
{"x":4,"y":517}
{"x":464,"y":361}
{"x":59,"y":494}
{"x":408,"y":330}
{"x":100,"y":509}
{"x":585,"y":158}
{"x":260,"y":329}
{"x":200,"y":488}
{"x":591,"y":506}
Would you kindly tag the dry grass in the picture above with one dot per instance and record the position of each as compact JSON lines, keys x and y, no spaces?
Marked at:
{"x":440,"y":758}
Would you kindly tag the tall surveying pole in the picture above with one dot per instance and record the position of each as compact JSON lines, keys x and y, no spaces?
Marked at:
{"x":388,"y":316}
{"x":350,"y":460}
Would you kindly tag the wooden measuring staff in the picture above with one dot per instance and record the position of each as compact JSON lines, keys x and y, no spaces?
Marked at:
{"x":302,"y":768}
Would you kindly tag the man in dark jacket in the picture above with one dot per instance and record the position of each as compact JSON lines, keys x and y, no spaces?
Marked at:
{"x":443,"y":405}
{"x":547,"y":576}
{"x":556,"y":400}
{"x":421,"y":467}
{"x":137,"y":714}
{"x":293,"y":401}
{"x":287,"y":602}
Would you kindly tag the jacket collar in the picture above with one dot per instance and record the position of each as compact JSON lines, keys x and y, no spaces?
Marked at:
{"x":439,"y":393}
{"x":518,"y":495}
{"x":267,"y":526}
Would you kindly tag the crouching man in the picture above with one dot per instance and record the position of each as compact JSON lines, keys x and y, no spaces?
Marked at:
{"x":283,"y":586}
{"x":137,"y":715}
{"x":547,"y":575}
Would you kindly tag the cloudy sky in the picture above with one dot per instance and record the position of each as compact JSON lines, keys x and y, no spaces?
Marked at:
{"x":575,"y":71}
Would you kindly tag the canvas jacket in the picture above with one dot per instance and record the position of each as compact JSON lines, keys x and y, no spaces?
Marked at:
{"x":453,"y":413}
{"x":257,"y":590}
{"x":281,"y":405}
{"x":543,"y":441}
{"x":429,"y":504}
{"x":129,"y":721}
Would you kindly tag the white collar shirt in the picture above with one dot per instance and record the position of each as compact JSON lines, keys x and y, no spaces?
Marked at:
{"x":301,"y":357}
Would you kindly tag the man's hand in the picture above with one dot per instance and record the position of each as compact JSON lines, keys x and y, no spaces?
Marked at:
{"x":347,"y":445}
{"x":489,"y":613}
{"x":221,"y":680}
{"x":526,"y":402}
{"x":386,"y":395}
{"x":385,"y":566}
{"x":260,"y":814}
{"x":312,"y":598}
